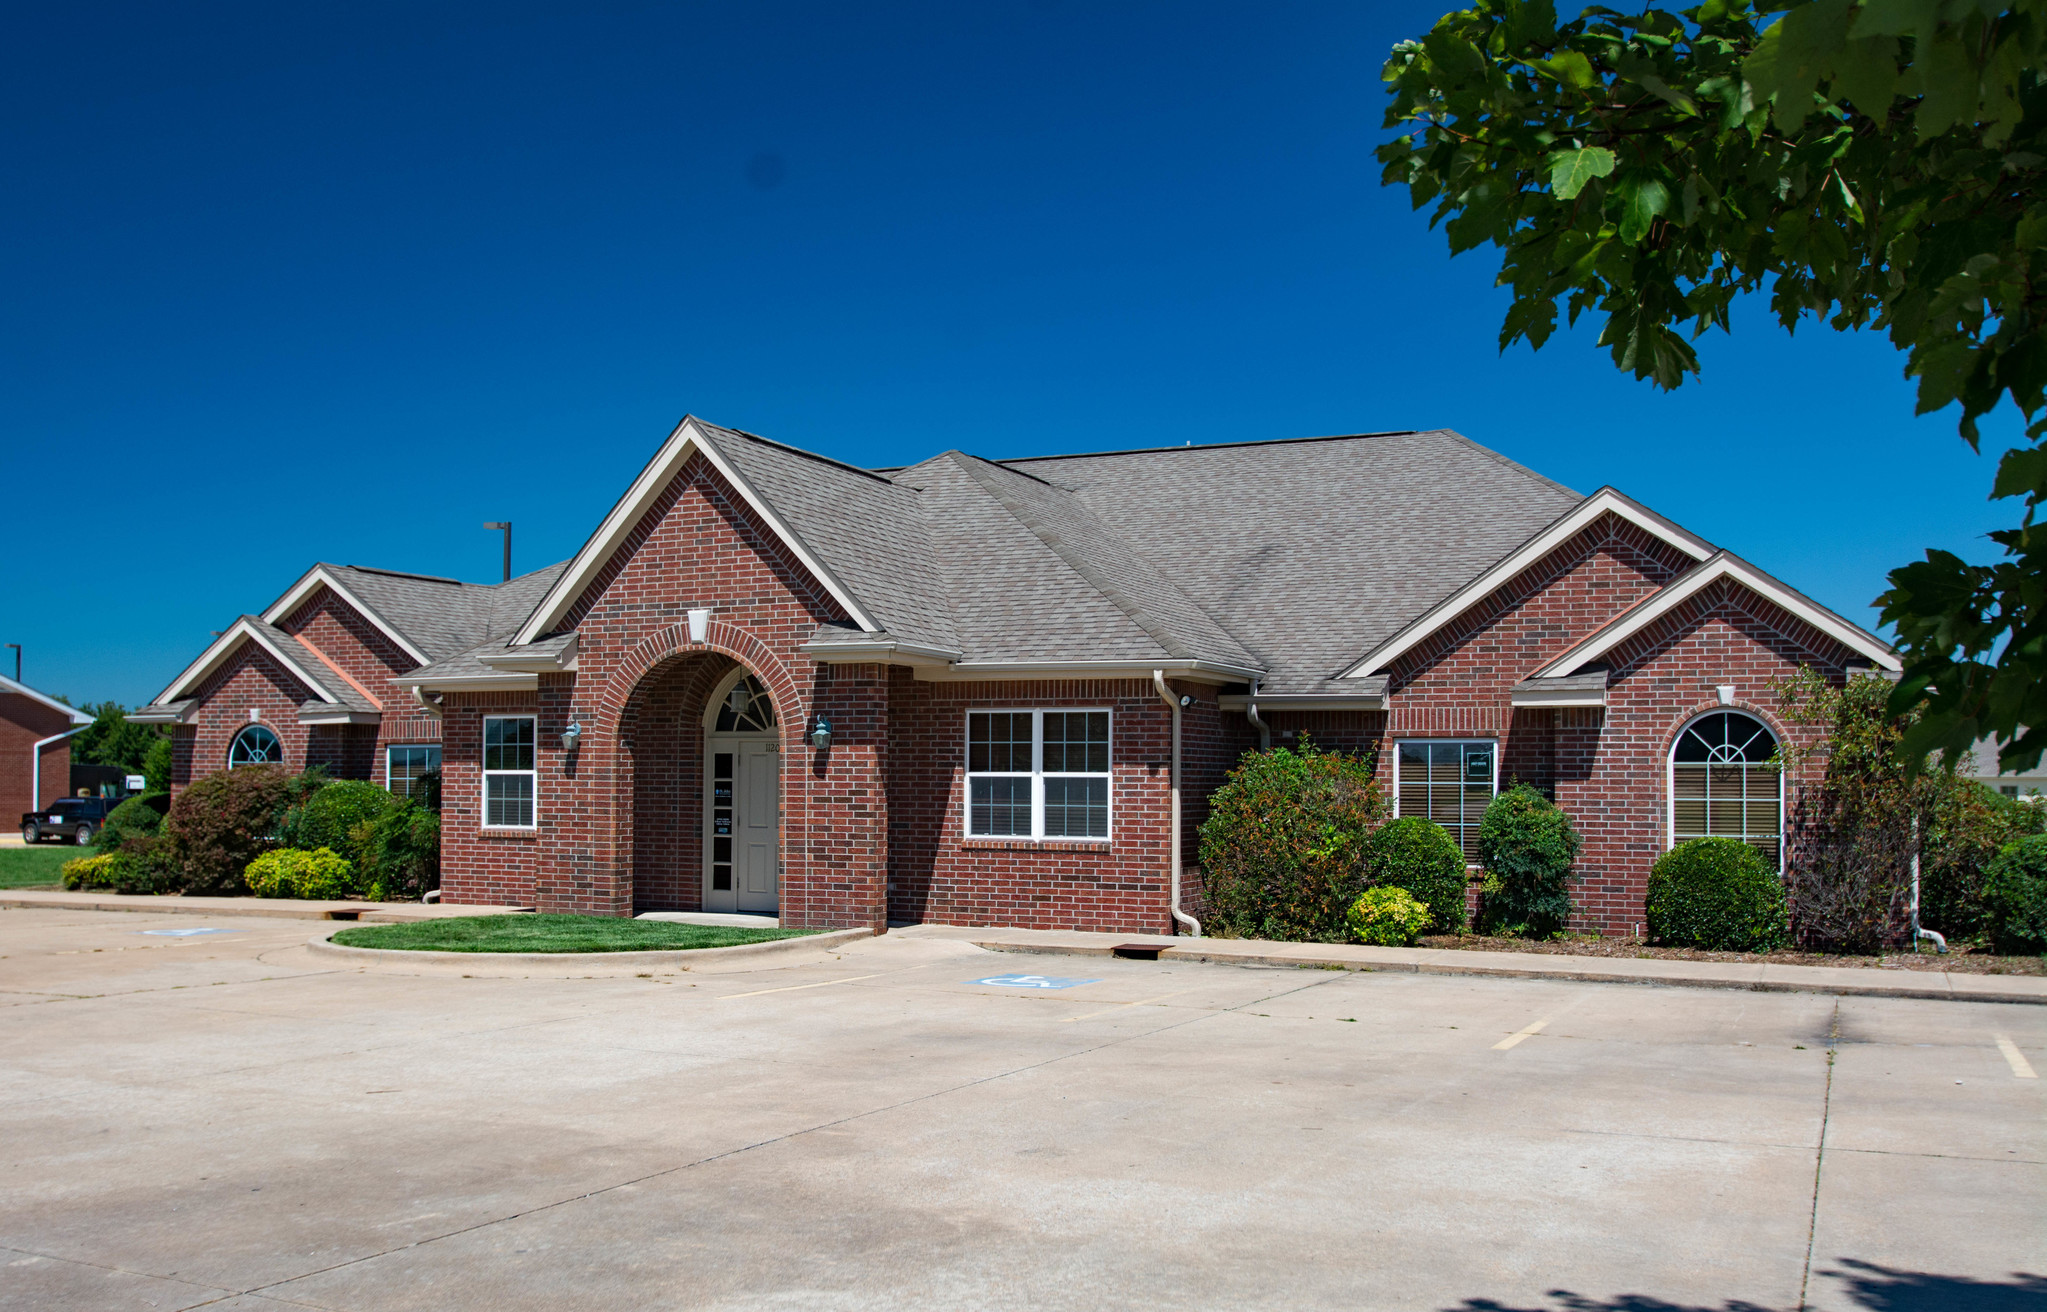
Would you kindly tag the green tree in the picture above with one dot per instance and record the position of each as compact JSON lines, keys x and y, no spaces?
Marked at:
{"x":1876,"y":165}
{"x":111,"y":739}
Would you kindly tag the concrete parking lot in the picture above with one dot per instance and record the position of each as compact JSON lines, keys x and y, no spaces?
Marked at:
{"x":222,"y":1120}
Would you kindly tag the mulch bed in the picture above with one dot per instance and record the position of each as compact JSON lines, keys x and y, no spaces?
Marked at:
{"x":1961,"y":959}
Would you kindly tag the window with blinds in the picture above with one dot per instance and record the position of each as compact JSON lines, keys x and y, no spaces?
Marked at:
{"x":1725,"y":783}
{"x":1038,"y":774}
{"x":1450,"y":782}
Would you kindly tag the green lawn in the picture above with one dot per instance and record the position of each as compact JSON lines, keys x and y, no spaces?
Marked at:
{"x":28,"y":867}
{"x":534,"y":933}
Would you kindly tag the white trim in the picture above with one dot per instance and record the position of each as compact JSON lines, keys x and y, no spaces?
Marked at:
{"x":242,"y":630}
{"x":1670,"y":782}
{"x":477,"y":683}
{"x":1721,"y":566}
{"x":687,"y":439}
{"x":1283,"y":702}
{"x":338,"y":714}
{"x":318,"y":576}
{"x":77,"y":716}
{"x":1605,"y":500}
{"x":1189,"y":671}
{"x":484,"y":775}
{"x":1036,"y":774}
{"x":732,"y":741}
{"x":1532,"y":697}
{"x":723,"y":689}
{"x":1493,"y":743}
{"x":532,"y":662}
{"x":244,"y":732}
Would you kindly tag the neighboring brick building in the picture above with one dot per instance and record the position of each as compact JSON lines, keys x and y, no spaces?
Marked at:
{"x":35,"y":754}
{"x":771,"y":681}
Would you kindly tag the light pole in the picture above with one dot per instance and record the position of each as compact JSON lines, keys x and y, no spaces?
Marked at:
{"x":506,"y":525}
{"x":17,"y":659}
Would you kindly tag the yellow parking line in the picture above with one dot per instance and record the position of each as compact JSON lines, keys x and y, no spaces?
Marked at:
{"x":2015,"y":1059}
{"x":791,"y":988}
{"x":1513,"y":1039}
{"x":1125,"y":1006}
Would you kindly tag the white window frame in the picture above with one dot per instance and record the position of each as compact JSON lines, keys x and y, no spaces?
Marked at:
{"x":396,"y":747}
{"x":248,"y":729}
{"x":1037,"y":774}
{"x":484,"y":776}
{"x":1670,"y":781}
{"x":1398,"y":743}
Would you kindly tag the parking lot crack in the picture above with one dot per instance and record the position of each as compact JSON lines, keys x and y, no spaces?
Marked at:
{"x":1819,"y":1158}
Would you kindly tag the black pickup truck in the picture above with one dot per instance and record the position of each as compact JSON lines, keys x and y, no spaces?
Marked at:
{"x":68,"y":820}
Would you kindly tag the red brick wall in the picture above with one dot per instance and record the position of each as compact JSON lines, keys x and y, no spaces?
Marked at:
{"x":24,"y":722}
{"x":251,"y":678}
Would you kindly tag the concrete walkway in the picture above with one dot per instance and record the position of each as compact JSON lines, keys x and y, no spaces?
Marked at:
{"x":1762,"y":976}
{"x":288,"y":908}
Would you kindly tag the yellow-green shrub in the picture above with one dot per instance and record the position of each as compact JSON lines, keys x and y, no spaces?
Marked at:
{"x":90,"y":871}
{"x":321,"y":874}
{"x":1387,"y":917}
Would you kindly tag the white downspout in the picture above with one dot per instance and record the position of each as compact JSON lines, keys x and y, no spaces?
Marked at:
{"x":1939,"y":943}
{"x":1158,"y":681}
{"x":35,"y":764}
{"x":1251,"y":713}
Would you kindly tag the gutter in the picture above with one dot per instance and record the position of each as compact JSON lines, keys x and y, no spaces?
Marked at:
{"x":1251,"y":714}
{"x":1158,"y":681}
{"x":35,"y":775}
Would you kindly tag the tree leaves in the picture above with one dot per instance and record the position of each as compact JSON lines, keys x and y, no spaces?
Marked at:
{"x":1570,"y":170}
{"x":1879,"y":164}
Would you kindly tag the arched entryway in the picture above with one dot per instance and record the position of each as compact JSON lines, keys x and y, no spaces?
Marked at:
{"x":742,"y":801}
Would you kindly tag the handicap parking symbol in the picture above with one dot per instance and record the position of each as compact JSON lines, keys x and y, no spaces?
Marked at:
{"x":185,"y":933}
{"x":1033,"y":981}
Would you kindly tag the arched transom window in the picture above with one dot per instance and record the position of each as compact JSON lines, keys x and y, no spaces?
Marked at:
{"x":255,"y":745}
{"x":746,"y":708}
{"x":1724,"y":783}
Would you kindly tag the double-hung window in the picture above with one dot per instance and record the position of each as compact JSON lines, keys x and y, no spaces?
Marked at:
{"x":1449,"y":782}
{"x":409,"y":770}
{"x":1038,"y":774}
{"x":508,"y":771}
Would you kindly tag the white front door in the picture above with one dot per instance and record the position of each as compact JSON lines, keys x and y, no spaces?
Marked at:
{"x":743,"y":795}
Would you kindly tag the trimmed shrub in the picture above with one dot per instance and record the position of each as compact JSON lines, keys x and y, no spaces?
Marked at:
{"x":320,"y":875}
{"x":399,"y":853}
{"x":330,"y":816}
{"x":1719,"y":894}
{"x":1420,"y":856}
{"x":222,"y":823}
{"x":1283,"y":848}
{"x":137,"y":868}
{"x":138,"y":817}
{"x":2015,"y":897}
{"x":90,"y":871}
{"x":1527,"y":846}
{"x":1387,"y":917}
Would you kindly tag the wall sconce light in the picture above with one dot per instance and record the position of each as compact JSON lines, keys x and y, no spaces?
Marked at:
{"x":699,"y":623}
{"x":821,"y":733}
{"x":571,"y":736}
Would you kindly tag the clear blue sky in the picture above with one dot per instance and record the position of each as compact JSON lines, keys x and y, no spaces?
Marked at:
{"x":286,"y":283}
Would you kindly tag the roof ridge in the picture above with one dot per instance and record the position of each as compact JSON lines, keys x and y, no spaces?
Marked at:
{"x":1220,"y":446}
{"x":401,"y":574}
{"x":1153,"y":628}
{"x":792,"y":450}
{"x":1516,"y":465}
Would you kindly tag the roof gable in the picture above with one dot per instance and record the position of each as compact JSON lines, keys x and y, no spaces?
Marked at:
{"x":1606,"y":501}
{"x":330,"y":577}
{"x":247,"y":629}
{"x":691,"y":437}
{"x":1722,"y":565}
{"x":22,"y":689}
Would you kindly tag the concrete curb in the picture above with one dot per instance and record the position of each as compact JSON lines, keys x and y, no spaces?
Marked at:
{"x":282,"y":908}
{"x":666,"y":957}
{"x":1759,"y":977}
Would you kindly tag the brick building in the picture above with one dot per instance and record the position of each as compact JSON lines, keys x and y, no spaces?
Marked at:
{"x":961,"y":691}
{"x":35,"y":756}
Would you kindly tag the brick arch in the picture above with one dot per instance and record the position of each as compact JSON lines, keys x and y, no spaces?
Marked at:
{"x":617,"y":705}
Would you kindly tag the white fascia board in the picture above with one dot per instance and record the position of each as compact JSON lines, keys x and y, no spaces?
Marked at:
{"x":1606,"y":500}
{"x":1195,"y":671}
{"x":1558,"y":697}
{"x":477,"y":683}
{"x":226,"y":645}
{"x":338,"y":715}
{"x":319,"y":577}
{"x":1722,"y":566}
{"x":533,"y":662}
{"x":1302,"y":702}
{"x":77,"y":716}
{"x":686,"y":440}
{"x":877,"y":653}
{"x":145,"y":715}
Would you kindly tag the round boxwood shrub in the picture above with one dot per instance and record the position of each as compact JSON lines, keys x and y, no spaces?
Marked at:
{"x":222,"y":823}
{"x":1716,"y":893}
{"x":138,"y":817}
{"x":1420,"y":856}
{"x":1526,"y":845}
{"x":2015,"y":897}
{"x":333,"y":817}
{"x":1387,"y":917}
{"x":1283,"y":847}
{"x":322,"y":874}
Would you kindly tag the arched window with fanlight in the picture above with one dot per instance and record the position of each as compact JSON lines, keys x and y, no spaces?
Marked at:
{"x":1725,"y":783}
{"x":745,"y":708}
{"x":255,"y":745}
